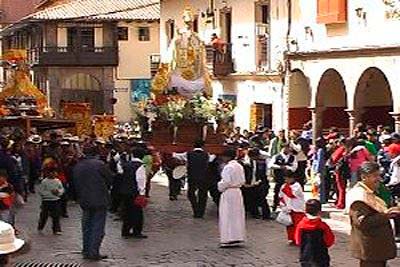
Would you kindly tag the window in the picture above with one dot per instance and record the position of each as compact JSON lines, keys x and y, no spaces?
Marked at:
{"x":144,"y":34}
{"x":265,"y":14}
{"x":87,"y":37}
{"x":154,"y":63}
{"x":170,"y":30}
{"x":332,"y":11}
{"x":196,"y":24}
{"x":80,"y":37}
{"x":123,"y":34}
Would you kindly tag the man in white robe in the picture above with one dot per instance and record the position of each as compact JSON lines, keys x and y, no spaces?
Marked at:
{"x":232,"y":224}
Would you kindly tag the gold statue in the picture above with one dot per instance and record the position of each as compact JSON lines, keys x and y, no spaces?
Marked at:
{"x":187,"y":71}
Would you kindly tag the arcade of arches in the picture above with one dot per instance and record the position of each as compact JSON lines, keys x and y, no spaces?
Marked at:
{"x":372,"y":102}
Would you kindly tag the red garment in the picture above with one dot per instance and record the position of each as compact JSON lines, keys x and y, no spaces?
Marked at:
{"x":62,"y":177}
{"x":287,"y":190}
{"x":296,"y":219}
{"x":394,"y":150}
{"x":331,"y":136}
{"x":341,"y":186}
{"x":315,"y":224}
{"x":338,"y":154}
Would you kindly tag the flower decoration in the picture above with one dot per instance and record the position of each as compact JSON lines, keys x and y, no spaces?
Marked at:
{"x":174,"y":110}
{"x":203,"y":109}
{"x":225,"y":111}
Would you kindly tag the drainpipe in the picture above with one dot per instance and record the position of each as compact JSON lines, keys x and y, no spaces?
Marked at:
{"x":287,"y":67}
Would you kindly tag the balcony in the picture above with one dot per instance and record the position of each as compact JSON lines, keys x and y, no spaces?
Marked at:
{"x":220,"y":60}
{"x":73,"y":56}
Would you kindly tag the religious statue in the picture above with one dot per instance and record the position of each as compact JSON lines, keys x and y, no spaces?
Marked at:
{"x":186,"y":73}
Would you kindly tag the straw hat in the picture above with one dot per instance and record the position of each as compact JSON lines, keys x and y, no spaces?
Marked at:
{"x":67,"y":137}
{"x":75,"y":139}
{"x":35,"y":139}
{"x":8,"y":242}
{"x":100,"y":140}
{"x":65,"y":143}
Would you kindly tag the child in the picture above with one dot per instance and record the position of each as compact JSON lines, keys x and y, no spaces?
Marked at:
{"x":6,"y":199}
{"x":50,"y":191}
{"x":292,"y":201}
{"x":314,"y":237}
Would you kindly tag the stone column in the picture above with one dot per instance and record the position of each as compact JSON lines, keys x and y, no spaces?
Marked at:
{"x":353,"y":120}
{"x":316,"y":119}
{"x":396,"y":117}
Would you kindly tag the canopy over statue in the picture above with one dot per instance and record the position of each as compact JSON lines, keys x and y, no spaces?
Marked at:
{"x":185,"y":69}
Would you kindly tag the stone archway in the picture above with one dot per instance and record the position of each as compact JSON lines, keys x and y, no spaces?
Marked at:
{"x":331,"y":103}
{"x":299,"y":100}
{"x":373,"y":99}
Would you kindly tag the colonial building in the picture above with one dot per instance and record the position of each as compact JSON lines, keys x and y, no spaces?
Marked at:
{"x":249,"y":71}
{"x":95,"y":51}
{"x":12,"y":11}
{"x":344,"y":63}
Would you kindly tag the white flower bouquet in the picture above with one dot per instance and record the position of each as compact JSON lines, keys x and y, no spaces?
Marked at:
{"x":203,"y":109}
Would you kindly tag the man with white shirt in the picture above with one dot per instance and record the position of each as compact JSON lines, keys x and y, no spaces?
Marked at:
{"x":133,"y":184}
{"x":284,"y":161}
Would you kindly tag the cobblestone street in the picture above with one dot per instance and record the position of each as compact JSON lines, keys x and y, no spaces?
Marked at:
{"x":175,"y":239}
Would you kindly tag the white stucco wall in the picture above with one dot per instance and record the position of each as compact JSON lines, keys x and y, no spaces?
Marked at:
{"x":357,"y":32}
{"x":248,"y":89}
{"x":134,"y":63}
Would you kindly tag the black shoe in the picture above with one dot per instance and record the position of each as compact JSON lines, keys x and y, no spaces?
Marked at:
{"x":140,"y":236}
{"x":256,"y":216}
{"x":95,"y":258}
{"x":127,"y":236}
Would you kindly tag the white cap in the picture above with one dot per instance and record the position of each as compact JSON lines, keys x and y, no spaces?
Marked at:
{"x":8,"y":242}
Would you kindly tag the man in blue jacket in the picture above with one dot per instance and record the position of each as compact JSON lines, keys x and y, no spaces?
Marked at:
{"x":92,"y":179}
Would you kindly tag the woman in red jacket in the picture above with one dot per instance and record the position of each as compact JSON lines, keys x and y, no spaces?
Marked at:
{"x":338,"y":160}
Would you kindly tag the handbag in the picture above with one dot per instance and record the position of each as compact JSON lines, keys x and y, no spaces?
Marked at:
{"x":284,"y":218}
{"x":140,"y":201}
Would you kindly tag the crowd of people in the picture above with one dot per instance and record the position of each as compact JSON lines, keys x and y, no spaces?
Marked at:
{"x":115,"y":176}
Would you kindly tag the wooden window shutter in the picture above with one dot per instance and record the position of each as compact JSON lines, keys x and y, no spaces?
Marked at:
{"x":331,"y":11}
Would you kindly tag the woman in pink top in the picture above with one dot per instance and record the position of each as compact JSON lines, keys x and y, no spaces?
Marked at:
{"x":357,"y":156}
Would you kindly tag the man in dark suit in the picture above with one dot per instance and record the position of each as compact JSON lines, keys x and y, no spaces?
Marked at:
{"x":259,"y":185}
{"x":197,"y":166}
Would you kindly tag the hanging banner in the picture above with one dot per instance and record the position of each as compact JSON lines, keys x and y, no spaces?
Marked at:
{"x":104,"y":126}
{"x":140,"y":89}
{"x":81,"y":113}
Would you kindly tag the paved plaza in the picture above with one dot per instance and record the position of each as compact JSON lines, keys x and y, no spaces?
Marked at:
{"x":175,"y":239}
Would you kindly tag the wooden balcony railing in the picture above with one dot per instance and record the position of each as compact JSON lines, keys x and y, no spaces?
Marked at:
{"x":220,"y":60}
{"x":73,"y":56}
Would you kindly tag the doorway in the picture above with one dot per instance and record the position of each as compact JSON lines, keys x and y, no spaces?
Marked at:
{"x":226,"y":24}
{"x":261,"y":115}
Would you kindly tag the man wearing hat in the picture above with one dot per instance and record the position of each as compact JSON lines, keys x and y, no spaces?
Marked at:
{"x":32,"y":150}
{"x":284,"y":161}
{"x":258,"y":186}
{"x":9,"y":244}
